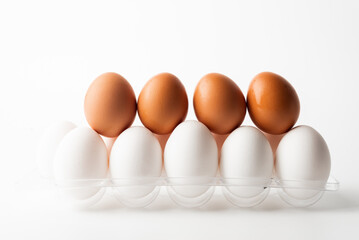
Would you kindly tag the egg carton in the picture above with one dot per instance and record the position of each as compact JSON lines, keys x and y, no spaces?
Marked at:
{"x":191,"y":192}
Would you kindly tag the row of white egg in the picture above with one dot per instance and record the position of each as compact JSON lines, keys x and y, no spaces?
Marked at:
{"x":68,"y":152}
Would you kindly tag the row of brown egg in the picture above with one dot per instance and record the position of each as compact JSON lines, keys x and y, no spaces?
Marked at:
{"x":272,"y":102}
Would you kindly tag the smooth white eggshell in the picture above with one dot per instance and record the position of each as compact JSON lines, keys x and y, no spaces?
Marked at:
{"x":48,"y":145}
{"x":81,"y":156}
{"x":191,"y":151}
{"x":135,"y":154}
{"x":303,"y":155}
{"x":247,"y":159}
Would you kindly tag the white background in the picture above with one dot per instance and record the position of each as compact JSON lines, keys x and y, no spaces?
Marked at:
{"x":51,"y":51}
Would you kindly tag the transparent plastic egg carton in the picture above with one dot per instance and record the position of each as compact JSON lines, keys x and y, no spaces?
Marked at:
{"x":194,"y":192}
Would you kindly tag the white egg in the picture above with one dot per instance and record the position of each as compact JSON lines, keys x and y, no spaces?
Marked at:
{"x":80,"y":157}
{"x":135,"y":154}
{"x":303,"y":160}
{"x":48,"y":145}
{"x":191,"y":151}
{"x":246,"y":160}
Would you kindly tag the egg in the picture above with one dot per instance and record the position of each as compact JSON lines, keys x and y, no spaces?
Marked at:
{"x":81,"y":156}
{"x":48,"y":145}
{"x":135,"y":154}
{"x":247,"y":157}
{"x":190,"y":152}
{"x":162,"y":103}
{"x":302,"y":161}
{"x":110,"y":104}
{"x":273,"y":103}
{"x":219,"y":103}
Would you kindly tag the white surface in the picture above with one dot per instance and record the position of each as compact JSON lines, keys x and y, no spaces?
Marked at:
{"x":50,"y":52}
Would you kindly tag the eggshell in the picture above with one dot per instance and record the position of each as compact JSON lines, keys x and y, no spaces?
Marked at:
{"x":136,"y":154}
{"x":81,"y":156}
{"x":162,"y":103}
{"x":110,"y":104}
{"x":48,"y":145}
{"x":303,"y":155}
{"x":273,"y":103}
{"x":219,"y":103}
{"x":191,"y":151}
{"x":247,"y":158}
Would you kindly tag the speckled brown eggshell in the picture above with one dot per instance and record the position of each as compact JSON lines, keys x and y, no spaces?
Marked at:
{"x":273,"y":103}
{"x":162,"y":103}
{"x":219,"y":103}
{"x":110,"y":104}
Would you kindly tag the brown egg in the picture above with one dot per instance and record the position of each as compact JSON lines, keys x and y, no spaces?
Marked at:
{"x":273,"y":104}
{"x":162,"y":103}
{"x":219,"y":103}
{"x":110,"y":104}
